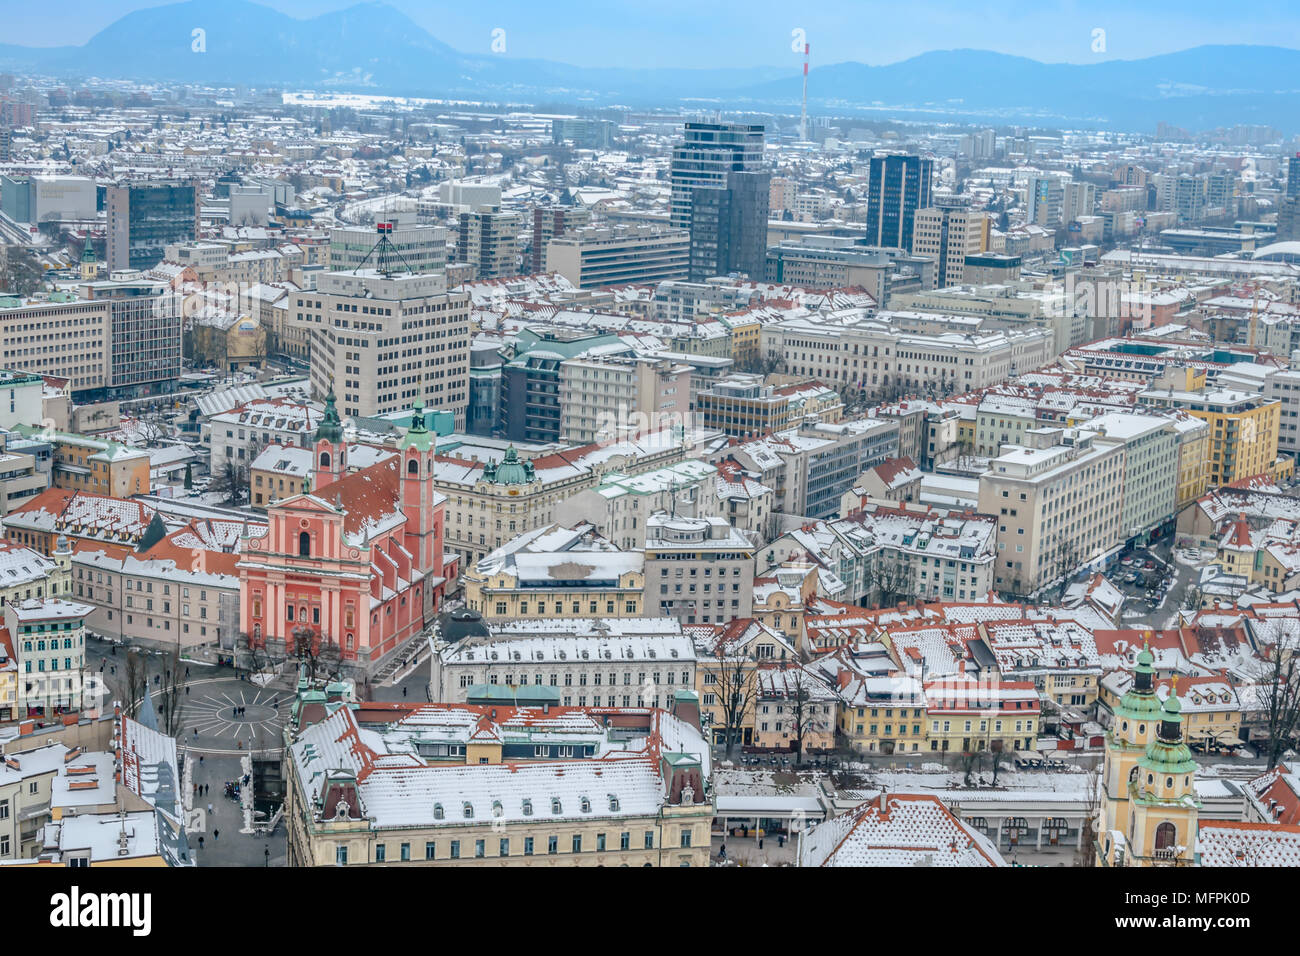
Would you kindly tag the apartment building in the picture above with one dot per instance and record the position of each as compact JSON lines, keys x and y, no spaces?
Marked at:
{"x":489,"y":242}
{"x":698,"y":570}
{"x":604,"y":397}
{"x":388,"y":340}
{"x":594,"y":257}
{"x":620,"y":505}
{"x":553,"y":222}
{"x":1056,"y":503}
{"x":49,"y":637}
{"x":1151,"y":470}
{"x":242,"y":432}
{"x":969,"y":716}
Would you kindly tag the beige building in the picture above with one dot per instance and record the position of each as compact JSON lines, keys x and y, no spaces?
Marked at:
{"x":489,"y":242}
{"x":386,"y":341}
{"x":609,"y":397}
{"x":602,"y":803}
{"x":949,"y":234}
{"x":602,"y":256}
{"x":58,"y":335}
{"x":1059,"y":504}
{"x":699,"y":570}
{"x":556,"y":572}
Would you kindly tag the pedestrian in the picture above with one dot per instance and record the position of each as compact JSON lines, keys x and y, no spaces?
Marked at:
{"x":209,"y":807}
{"x":722,"y":852}
{"x":216,"y":834}
{"x":187,"y":671}
{"x":187,"y":690}
{"x":196,"y":732}
{"x":200,"y":760}
{"x":200,"y":843}
{"x":403,"y":691}
{"x":760,"y":843}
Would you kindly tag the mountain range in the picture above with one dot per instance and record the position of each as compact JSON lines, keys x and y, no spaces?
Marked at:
{"x":373,"y":48}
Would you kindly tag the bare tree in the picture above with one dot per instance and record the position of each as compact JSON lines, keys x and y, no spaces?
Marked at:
{"x":998,"y":758}
{"x":1087,"y":852}
{"x":137,"y":682}
{"x":318,"y":651}
{"x":737,"y":689}
{"x":170,"y":700}
{"x":230,"y":479}
{"x":891,"y":578}
{"x":1278,"y":682}
{"x":805,"y":719}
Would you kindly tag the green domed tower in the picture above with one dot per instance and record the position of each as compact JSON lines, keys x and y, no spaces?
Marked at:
{"x":1163,"y":807}
{"x":330,"y":449}
{"x":1126,"y":741}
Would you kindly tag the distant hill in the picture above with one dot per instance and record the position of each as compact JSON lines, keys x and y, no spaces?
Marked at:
{"x":371,"y":47}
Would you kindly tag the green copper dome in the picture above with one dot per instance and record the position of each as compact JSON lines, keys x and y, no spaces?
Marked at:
{"x":1168,"y":753}
{"x":1140,"y":701}
{"x":417,"y":434}
{"x":511,"y":471}
{"x":330,"y":428}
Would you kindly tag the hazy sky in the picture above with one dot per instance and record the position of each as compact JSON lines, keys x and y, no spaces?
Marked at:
{"x":758,"y":32}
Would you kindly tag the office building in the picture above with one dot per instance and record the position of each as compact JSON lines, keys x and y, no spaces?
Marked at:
{"x":144,"y":336}
{"x":602,"y":256}
{"x":386,"y":340}
{"x":721,"y":193}
{"x":412,"y":248}
{"x":899,"y":185}
{"x":949,"y":234}
{"x":552,"y":222}
{"x":144,"y":217}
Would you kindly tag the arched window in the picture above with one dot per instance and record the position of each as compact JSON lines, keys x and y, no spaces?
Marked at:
{"x":1166,"y":835}
{"x":324,"y":459}
{"x":304,"y":545}
{"x":413,"y":466}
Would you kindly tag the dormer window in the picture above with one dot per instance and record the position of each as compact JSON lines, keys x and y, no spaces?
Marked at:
{"x":469,"y":810}
{"x":586,"y":805}
{"x":613,"y":803}
{"x":438,"y":813}
{"x":528,"y":807}
{"x":555,"y":805}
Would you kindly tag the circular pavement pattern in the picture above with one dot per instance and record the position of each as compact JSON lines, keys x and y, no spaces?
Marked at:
{"x":210,"y":721}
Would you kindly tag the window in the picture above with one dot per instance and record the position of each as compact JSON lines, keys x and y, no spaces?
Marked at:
{"x":577,"y":843}
{"x":480,"y":849}
{"x":406,"y":852}
{"x":686,"y":836}
{"x":504,"y":849}
{"x":381,"y":852}
{"x":430,"y":849}
{"x":341,"y":855}
{"x":552,"y":844}
{"x":304,"y":548}
{"x":649,"y":839}
{"x":455,"y":849}
{"x":528,"y":846}
{"x":625,"y":840}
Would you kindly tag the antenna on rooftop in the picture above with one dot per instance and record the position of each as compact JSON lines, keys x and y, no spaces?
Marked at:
{"x":385,"y":253}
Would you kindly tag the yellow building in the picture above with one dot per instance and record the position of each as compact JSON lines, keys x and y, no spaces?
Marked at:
{"x":82,"y":463}
{"x":1243,"y":425}
{"x":1163,"y":808}
{"x":727,"y":660}
{"x":781,"y":599}
{"x":1193,"y":459}
{"x":883,"y":715}
{"x":279,"y":471}
{"x":1211,"y":711}
{"x":745,"y":336}
{"x":557,"y":572}
{"x":793,"y":710}
{"x":648,"y":807}
{"x":969,"y":716}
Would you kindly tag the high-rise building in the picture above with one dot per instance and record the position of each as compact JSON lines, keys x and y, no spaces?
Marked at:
{"x":1045,"y":201}
{"x":899,"y":185}
{"x":949,"y":233}
{"x":489,"y":242}
{"x":1078,"y":199}
{"x":721,"y":193}
{"x":583,"y":132}
{"x":362,"y":325}
{"x":1293,"y":177}
{"x":143,"y":218}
